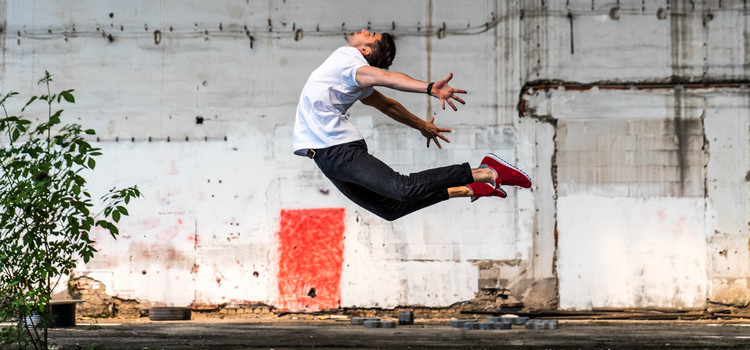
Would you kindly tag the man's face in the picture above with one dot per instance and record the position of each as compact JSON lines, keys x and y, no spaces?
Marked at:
{"x":363,"y":37}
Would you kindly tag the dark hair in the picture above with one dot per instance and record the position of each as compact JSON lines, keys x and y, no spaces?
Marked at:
{"x":382,"y":52}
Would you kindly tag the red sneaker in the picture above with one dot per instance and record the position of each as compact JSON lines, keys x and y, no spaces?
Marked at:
{"x":506,"y":174}
{"x":483,"y":189}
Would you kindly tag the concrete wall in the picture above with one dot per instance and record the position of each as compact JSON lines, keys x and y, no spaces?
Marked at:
{"x":630,"y":116}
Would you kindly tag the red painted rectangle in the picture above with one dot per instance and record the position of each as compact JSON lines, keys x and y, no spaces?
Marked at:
{"x":311,"y":255}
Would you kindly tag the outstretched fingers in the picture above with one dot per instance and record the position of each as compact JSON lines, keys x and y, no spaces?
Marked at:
{"x":446,"y":93}
{"x":437,"y":142}
{"x":459,"y":99}
{"x":442,"y":102}
{"x":445,"y":80}
{"x":433,"y":133}
{"x":449,"y":102}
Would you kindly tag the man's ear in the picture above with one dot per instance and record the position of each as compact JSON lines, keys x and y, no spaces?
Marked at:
{"x":365,"y":50}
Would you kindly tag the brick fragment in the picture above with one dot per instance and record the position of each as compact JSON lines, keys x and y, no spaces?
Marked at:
{"x":360,"y":320}
{"x":379,"y":324}
{"x":500,"y":325}
{"x":542,"y":324}
{"x":387,"y":324}
{"x":406,"y":317}
{"x":372,"y":324}
{"x":490,"y":325}
{"x":460,"y":323}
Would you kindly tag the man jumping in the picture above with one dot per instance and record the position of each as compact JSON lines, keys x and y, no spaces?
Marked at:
{"x":323,"y":133}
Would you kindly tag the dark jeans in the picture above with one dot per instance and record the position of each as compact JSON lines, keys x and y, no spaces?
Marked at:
{"x":376,"y":187}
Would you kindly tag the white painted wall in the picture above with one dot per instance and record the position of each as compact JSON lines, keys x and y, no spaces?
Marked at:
{"x":213,"y":192}
{"x":631,"y":252}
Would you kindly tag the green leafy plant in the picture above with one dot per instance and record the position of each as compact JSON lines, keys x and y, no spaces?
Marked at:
{"x":46,"y":213}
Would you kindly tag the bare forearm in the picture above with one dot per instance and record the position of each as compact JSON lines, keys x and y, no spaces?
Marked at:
{"x":403,"y":82}
{"x":399,"y":113}
{"x":368,"y":76}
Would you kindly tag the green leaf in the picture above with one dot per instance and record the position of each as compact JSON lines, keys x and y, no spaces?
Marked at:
{"x":46,"y":79}
{"x":90,"y":132}
{"x":113,"y":229}
{"x":10,"y":94}
{"x":68,"y":96}
{"x":55,"y":118}
{"x":28,"y":103}
{"x":116,"y":216}
{"x":122,"y":210}
{"x":92,"y":163}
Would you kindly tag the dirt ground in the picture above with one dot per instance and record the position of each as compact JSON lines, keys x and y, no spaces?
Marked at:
{"x":339,"y":334}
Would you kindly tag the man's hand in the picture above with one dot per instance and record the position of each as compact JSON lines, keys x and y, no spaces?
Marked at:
{"x":397,"y":112}
{"x":432,"y":132}
{"x":444,"y":92}
{"x":368,"y":76}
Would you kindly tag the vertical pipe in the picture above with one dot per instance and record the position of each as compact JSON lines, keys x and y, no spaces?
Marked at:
{"x":3,"y":30}
{"x":428,"y":45}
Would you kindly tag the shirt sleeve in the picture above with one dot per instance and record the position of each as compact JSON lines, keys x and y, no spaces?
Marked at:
{"x":350,"y":74}
{"x":352,"y":80}
{"x":350,"y":77}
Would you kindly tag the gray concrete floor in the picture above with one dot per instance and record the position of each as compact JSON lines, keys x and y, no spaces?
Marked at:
{"x":317,"y":334}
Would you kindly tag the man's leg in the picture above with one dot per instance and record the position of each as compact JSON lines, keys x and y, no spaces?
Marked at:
{"x":351,"y":163}
{"x":460,"y":191}
{"x":483,"y":175}
{"x":387,"y":208}
{"x":376,"y":187}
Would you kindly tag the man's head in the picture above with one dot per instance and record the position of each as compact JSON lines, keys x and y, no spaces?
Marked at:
{"x":378,"y":49}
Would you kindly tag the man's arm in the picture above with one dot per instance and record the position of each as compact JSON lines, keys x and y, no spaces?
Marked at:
{"x":368,"y":76}
{"x":399,"y":113}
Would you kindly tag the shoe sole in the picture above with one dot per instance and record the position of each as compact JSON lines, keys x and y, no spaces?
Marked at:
{"x":501,"y":161}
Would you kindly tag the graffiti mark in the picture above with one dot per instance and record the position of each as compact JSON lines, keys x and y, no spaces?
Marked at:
{"x":311,"y":248}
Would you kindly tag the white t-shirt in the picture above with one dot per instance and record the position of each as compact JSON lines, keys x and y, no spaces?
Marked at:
{"x":329,"y":92}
